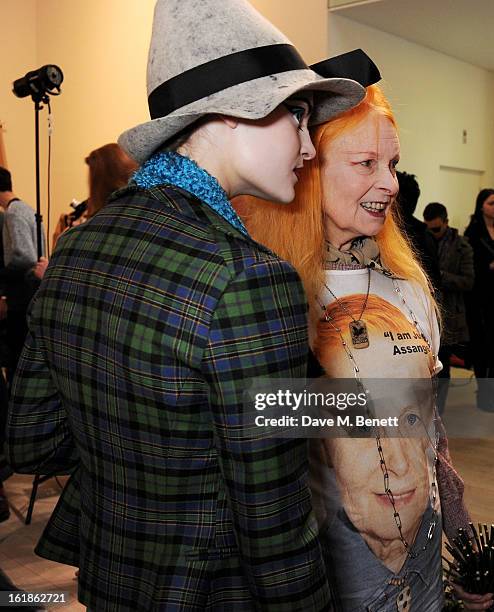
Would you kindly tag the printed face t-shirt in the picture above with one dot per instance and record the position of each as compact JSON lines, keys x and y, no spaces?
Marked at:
{"x":347,"y":474}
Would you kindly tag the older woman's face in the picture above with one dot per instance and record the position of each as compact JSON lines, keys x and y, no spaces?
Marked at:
{"x":359,"y":182}
{"x":360,"y":480}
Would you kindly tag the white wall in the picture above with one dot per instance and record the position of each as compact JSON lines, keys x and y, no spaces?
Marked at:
{"x":18,"y":55}
{"x":101,"y":46}
{"x":435,"y":97}
{"x":304,"y":22}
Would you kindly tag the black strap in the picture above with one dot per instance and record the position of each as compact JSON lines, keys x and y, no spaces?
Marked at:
{"x":219,"y":74}
{"x":355,"y":65}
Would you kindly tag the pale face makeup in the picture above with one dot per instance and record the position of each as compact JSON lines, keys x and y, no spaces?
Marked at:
{"x":271,"y":150}
{"x":358,"y":177}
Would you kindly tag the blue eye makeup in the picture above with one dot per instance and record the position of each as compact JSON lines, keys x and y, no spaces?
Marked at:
{"x":299,"y":112}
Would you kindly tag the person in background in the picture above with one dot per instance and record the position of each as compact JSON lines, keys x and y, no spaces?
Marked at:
{"x":109,"y":169}
{"x":421,"y":240}
{"x":21,"y":273}
{"x":480,"y":233}
{"x":455,"y":258}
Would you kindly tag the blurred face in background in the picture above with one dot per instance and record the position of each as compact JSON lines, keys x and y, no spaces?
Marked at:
{"x":438,"y":227}
{"x":488,"y":208}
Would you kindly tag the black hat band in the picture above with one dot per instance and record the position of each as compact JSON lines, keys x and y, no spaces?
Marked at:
{"x":221,"y":73}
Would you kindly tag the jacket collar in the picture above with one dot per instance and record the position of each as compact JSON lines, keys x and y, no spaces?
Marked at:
{"x":188,"y":205}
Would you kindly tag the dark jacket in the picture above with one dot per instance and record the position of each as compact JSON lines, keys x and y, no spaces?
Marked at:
{"x":425,"y":248}
{"x":150,"y":321}
{"x":457,"y":278}
{"x":483,"y":250}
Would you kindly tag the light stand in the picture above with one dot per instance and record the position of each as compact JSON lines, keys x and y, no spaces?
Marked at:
{"x":38,"y":84}
{"x":38,"y":216}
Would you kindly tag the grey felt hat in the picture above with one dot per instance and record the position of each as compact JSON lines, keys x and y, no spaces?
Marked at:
{"x":222,"y":56}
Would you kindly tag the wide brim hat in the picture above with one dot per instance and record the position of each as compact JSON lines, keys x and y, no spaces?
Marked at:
{"x":223,"y":57}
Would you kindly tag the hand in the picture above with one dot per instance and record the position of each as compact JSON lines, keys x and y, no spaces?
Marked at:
{"x":491,"y":265}
{"x":40,"y":268}
{"x":473,"y":602}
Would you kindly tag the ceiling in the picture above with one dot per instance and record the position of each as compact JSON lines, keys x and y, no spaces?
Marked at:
{"x":463,"y":29}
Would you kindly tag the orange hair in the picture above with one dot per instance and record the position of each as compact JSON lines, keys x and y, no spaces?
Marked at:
{"x":296,"y":231}
{"x":380,"y":316}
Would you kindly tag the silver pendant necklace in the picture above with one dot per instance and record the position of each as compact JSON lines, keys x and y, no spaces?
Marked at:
{"x":357,"y":327}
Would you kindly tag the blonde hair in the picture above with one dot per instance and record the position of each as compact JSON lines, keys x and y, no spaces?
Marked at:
{"x":380,"y":316}
{"x":296,"y":231}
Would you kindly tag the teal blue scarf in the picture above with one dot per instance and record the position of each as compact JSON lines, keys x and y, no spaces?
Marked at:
{"x":174,"y":169}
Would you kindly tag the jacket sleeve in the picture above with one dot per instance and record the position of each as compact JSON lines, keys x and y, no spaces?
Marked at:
{"x":451,"y":489}
{"x":259,"y":329}
{"x":38,"y":438}
{"x":462,"y":280}
{"x":450,"y":485}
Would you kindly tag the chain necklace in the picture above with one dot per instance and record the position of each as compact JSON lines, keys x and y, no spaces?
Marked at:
{"x":419,"y":329}
{"x":413,"y":554}
{"x":357,"y":327}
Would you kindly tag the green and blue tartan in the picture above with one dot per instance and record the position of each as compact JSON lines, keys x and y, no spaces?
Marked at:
{"x":150,"y":321}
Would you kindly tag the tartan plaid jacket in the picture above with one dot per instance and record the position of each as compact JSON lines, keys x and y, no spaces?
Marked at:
{"x":150,"y":321}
